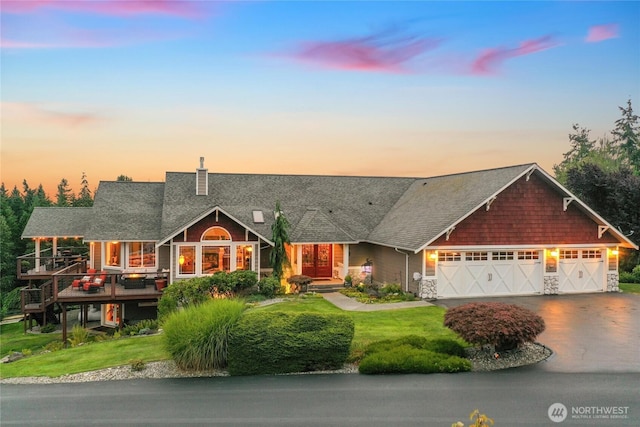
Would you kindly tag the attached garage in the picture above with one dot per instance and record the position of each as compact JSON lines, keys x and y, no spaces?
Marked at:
{"x":581,"y":271}
{"x":489,"y":273}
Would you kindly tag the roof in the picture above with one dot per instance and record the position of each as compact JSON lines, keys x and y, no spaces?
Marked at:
{"x":127,"y":210}
{"x":405,"y":213}
{"x":57,"y":222}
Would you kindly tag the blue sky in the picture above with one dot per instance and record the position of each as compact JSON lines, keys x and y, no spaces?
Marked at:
{"x":362,"y":88}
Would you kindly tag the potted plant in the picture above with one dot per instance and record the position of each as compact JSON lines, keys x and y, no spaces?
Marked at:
{"x":161,"y":282}
{"x":348,"y":281}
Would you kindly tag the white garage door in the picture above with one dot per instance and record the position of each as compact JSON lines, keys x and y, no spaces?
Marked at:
{"x":478,"y":273}
{"x":581,"y":271}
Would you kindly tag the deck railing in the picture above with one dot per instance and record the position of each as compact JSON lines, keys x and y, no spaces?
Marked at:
{"x":36,"y":299}
{"x":47,"y":262}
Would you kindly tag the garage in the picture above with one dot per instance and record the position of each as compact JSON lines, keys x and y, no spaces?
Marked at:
{"x":581,"y":271}
{"x":489,"y":273}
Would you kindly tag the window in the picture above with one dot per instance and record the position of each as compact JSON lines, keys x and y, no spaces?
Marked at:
{"x":216,"y":233}
{"x":528,"y":255}
{"x":568,"y":254}
{"x":112,"y":254}
{"x":476,"y":256}
{"x":187,"y":260}
{"x":449,"y":256}
{"x":244,"y":257}
{"x":502,"y":256}
{"x":592,"y":253}
{"x":430,"y":263}
{"x":142,"y":254}
{"x":215,"y":258}
{"x":612,"y":255}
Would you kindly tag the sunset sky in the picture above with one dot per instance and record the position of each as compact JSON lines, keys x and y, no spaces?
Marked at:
{"x":416,"y":88}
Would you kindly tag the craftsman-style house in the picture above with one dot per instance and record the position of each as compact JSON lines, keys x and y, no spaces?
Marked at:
{"x":506,"y":231}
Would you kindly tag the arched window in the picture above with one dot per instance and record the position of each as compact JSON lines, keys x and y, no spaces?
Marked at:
{"x":216,"y":234}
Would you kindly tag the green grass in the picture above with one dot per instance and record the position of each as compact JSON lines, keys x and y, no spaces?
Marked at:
{"x":88,"y":357}
{"x":630,"y":288}
{"x":369,"y":327}
{"x":378,"y":325}
{"x":12,"y":338}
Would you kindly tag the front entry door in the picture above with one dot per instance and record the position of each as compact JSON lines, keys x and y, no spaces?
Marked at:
{"x":316,"y":260}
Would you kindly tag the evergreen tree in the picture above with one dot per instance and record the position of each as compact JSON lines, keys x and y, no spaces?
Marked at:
{"x":124,"y":178}
{"x":84,"y":196}
{"x":627,"y":137}
{"x":280,"y":237}
{"x":64,"y":196}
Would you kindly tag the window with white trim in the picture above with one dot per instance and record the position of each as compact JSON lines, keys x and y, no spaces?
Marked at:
{"x":476,"y":256}
{"x":592,"y":253}
{"x":449,"y":256}
{"x":528,"y":255}
{"x":141,"y":254}
{"x":568,"y":254}
{"x":502,"y":256}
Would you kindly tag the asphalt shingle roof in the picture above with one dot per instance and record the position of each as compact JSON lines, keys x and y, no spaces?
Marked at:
{"x":58,"y":222}
{"x":399,"y":212}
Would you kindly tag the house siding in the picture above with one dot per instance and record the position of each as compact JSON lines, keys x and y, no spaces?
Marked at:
{"x":194,"y":233}
{"x":526,"y":213}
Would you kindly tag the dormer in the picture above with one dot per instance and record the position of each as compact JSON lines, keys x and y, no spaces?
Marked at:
{"x":202,"y":180}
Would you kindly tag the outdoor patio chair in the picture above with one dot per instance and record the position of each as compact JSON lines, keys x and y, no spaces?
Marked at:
{"x":79,"y":283}
{"x":97,"y":284}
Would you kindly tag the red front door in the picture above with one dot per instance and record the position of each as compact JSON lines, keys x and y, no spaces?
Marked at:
{"x":316,"y":260}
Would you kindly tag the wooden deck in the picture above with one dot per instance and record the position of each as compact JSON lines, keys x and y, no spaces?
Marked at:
{"x":110,"y":292}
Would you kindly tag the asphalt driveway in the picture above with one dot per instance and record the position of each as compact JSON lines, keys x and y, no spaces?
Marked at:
{"x":587,"y":332}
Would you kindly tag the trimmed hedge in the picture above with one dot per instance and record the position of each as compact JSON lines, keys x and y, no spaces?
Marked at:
{"x":276,"y":342}
{"x":414,"y":354}
{"x":410,"y":360}
{"x":197,"y":337}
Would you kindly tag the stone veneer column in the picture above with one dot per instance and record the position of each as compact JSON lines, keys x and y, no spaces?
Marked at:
{"x":613,"y":280}
{"x":429,"y":288}
{"x":551,"y":285}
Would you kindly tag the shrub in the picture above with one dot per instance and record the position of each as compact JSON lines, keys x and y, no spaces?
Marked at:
{"x":407,"y":359}
{"x":414,"y":354}
{"x":630,"y":277}
{"x":54,"y":346}
{"x":197,"y":337}
{"x":269,"y":286}
{"x":184,"y":293}
{"x":137,"y":365}
{"x":143,"y":327}
{"x":79,"y":335}
{"x":390,"y":288}
{"x":299,"y":282}
{"x":243,"y":280}
{"x":504,"y":326}
{"x":276,"y":342}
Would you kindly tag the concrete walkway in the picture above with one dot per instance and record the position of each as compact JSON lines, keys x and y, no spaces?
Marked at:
{"x":349,"y":304}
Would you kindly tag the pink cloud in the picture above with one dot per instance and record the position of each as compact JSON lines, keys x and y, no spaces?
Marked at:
{"x":106,"y":7}
{"x":490,"y":59}
{"x":33,"y":114}
{"x":380,"y":52}
{"x":598,"y":33}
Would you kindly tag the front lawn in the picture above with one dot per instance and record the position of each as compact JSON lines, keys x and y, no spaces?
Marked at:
{"x":369,"y":327}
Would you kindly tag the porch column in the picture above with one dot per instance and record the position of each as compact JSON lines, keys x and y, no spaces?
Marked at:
{"x":345,"y":260}
{"x":37,"y":254}
{"x":54,"y":250}
{"x":298,"y":269}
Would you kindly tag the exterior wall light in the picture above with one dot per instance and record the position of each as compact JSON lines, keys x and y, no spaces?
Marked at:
{"x":367,"y":267}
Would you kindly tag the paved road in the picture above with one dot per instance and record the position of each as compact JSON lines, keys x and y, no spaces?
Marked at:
{"x":518,"y":397}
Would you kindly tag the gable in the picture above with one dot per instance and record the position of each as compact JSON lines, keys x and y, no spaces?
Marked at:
{"x":216,"y":219}
{"x":528,"y":212}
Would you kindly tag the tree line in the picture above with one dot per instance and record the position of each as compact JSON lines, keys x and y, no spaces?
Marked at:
{"x":16,"y":206}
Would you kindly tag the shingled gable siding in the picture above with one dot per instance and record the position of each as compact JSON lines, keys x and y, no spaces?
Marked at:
{"x":194,"y":233}
{"x":526,"y":213}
